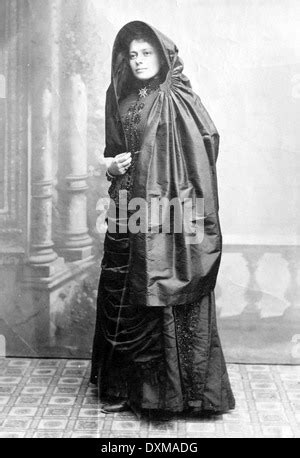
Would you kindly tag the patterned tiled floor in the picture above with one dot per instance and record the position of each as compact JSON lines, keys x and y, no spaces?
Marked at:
{"x":53,"y":398}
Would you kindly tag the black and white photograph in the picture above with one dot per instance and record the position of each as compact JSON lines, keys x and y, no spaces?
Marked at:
{"x":149,"y":221}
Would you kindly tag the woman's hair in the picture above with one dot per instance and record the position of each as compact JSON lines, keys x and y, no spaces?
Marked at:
{"x":143,"y":35}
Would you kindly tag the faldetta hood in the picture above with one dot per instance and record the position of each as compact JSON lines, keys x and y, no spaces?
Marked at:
{"x":177,"y":161}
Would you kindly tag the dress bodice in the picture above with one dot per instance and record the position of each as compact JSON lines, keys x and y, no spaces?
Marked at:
{"x":134,"y":110}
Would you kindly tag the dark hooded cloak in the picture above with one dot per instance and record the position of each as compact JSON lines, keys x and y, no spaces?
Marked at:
{"x":177,"y":160}
{"x":156,"y":343}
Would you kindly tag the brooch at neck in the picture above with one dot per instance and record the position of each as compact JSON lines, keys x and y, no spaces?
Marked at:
{"x":143,"y":92}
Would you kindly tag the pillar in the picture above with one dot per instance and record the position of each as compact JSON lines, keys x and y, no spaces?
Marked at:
{"x":42,"y":258}
{"x":75,"y":242}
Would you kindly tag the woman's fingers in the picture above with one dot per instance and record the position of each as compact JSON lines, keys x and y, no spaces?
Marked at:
{"x":120,"y":164}
{"x":119,"y":156}
{"x":123,"y":169}
{"x":122,"y":158}
{"x":125,"y":163}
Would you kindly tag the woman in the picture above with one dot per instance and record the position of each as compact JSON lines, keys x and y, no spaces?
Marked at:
{"x":156,"y":343}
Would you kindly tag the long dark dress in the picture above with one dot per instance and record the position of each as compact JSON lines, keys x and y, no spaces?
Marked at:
{"x":167,"y":358}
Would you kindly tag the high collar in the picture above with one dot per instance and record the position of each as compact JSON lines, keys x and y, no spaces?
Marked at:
{"x":146,"y":87}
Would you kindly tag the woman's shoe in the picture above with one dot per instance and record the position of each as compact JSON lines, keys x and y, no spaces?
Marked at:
{"x":120,"y":406}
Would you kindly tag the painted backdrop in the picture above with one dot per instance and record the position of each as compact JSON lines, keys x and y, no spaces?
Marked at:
{"x":243,"y":59}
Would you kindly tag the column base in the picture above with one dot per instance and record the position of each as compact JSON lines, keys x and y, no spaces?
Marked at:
{"x":44,"y":313}
{"x":32,"y":272}
{"x":76,"y":254}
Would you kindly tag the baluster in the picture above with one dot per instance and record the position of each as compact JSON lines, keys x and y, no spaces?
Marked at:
{"x":252,"y":255}
{"x":291,"y":255}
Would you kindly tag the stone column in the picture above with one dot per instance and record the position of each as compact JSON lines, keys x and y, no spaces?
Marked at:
{"x":75,"y":242}
{"x":41,"y":254}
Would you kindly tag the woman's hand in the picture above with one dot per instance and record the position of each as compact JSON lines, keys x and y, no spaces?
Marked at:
{"x":120,"y":164}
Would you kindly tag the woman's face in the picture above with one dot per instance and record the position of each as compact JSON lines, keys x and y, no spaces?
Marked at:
{"x":143,"y":59}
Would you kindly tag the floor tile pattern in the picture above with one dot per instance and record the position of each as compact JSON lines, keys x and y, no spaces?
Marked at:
{"x":53,"y":398}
